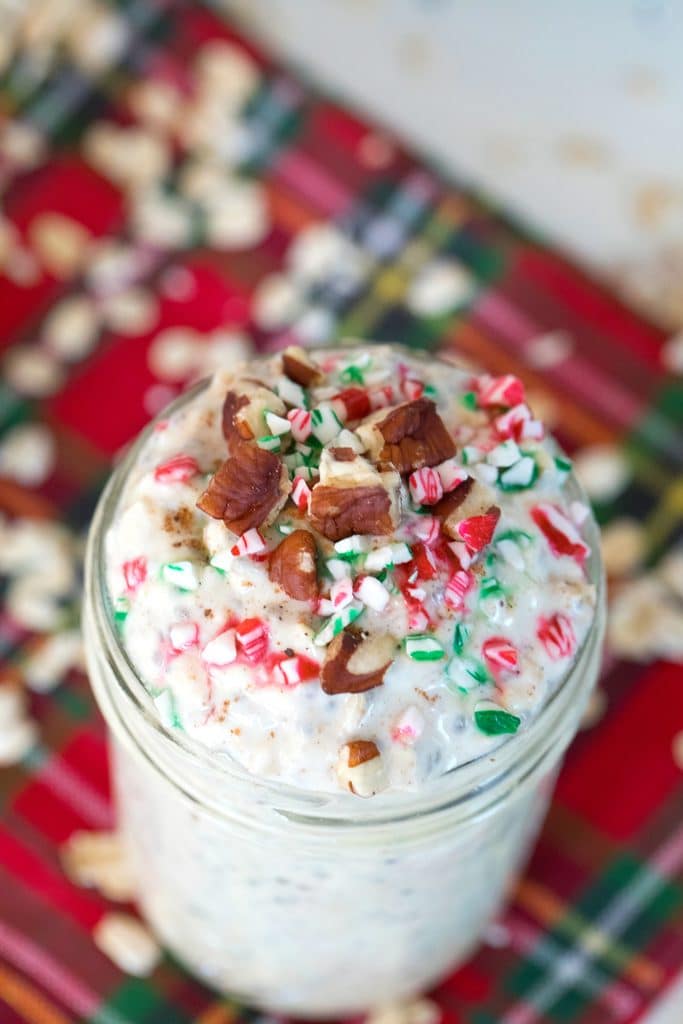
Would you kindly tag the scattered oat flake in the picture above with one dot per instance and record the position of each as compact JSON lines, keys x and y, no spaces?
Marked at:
{"x":128,"y":943}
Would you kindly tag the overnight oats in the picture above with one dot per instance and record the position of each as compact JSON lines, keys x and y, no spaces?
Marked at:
{"x":344,"y":611}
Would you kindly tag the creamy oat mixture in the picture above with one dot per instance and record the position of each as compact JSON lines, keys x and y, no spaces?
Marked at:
{"x":350,"y":568}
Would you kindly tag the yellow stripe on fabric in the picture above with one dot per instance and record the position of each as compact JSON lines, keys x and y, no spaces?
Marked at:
{"x":661,"y":525}
{"x":217,"y":1013}
{"x":26,"y":1001}
{"x":551,"y":912}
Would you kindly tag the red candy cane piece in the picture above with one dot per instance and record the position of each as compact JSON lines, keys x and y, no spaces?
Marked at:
{"x":506,"y":390}
{"x":250,"y":543}
{"x":380,"y":398}
{"x":425,"y":486}
{"x":177,"y":470}
{"x":500,"y":655}
{"x":301,"y":423}
{"x":341,"y":592}
{"x":517,"y":423}
{"x":252,"y":637}
{"x":424,"y":562}
{"x":560,"y":532}
{"x":557,"y":636}
{"x":301,"y":493}
{"x":457,"y":587}
{"x":134,"y":573}
{"x":477,"y":531}
{"x":412,"y":388}
{"x":355,"y":403}
{"x":292,"y":671}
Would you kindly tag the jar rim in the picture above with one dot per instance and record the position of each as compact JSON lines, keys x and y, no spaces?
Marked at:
{"x":472,"y":778}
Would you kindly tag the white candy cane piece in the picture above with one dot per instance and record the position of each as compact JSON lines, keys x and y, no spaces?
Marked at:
{"x":372,"y":593}
{"x":17,"y":739}
{"x":408,"y":726}
{"x":177,"y":470}
{"x":388,"y":554}
{"x":277,"y":425}
{"x":301,"y":493}
{"x":450,"y":474}
{"x":290,"y":392}
{"x":325,"y":424}
{"x":341,"y":593}
{"x":427,"y":529}
{"x":127,"y":943}
{"x":182,"y":575}
{"x":293,"y":671}
{"x":338,"y":568}
{"x":500,"y":655}
{"x":521,"y":475}
{"x":425,"y":486}
{"x":300,"y":420}
{"x":356,"y":544}
{"x":222,"y":650}
{"x":183,"y":636}
{"x":250,"y":543}
{"x":511,"y":552}
{"x":504,"y":454}
{"x":458,"y":586}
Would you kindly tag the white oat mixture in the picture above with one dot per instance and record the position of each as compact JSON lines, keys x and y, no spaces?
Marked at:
{"x":350,"y":567}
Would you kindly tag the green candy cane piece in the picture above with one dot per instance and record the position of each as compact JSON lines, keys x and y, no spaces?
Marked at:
{"x":121,"y":609}
{"x":494,"y":721}
{"x":460,"y":637}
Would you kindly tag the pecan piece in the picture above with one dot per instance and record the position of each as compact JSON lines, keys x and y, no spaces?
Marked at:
{"x":360,"y":768}
{"x":244,"y":409}
{"x":292,"y":565}
{"x":410,"y":436}
{"x":248,"y":490}
{"x":353,"y":497}
{"x":355,"y":662}
{"x":360,"y":751}
{"x":299,"y":367}
{"x":338,"y":512}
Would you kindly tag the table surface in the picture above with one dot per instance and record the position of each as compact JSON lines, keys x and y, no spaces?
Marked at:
{"x":123,"y":279}
{"x":553,"y":131}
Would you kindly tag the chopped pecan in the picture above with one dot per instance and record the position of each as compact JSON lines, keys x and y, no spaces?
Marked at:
{"x":410,"y":436}
{"x":343,"y":454}
{"x":248,"y":490}
{"x":470,"y":498}
{"x":292,"y":565}
{"x":299,"y":367}
{"x":231,"y":406}
{"x":361,"y":769}
{"x":244,"y":408}
{"x":355,"y":662}
{"x":338,"y":512}
{"x":360,"y":751}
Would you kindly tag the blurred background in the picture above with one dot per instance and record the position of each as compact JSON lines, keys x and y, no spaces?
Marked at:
{"x":183,"y":183}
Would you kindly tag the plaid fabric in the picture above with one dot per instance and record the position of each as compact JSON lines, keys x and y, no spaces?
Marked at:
{"x":595,"y":929}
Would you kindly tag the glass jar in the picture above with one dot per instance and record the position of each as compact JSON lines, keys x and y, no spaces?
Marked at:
{"x":318,"y":904}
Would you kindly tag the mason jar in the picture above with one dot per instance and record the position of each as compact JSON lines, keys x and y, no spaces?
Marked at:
{"x":318,"y":904}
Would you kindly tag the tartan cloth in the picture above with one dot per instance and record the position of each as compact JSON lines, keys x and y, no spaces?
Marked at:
{"x":595,"y":929}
